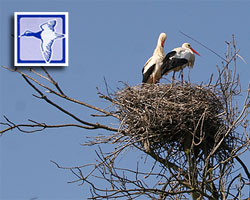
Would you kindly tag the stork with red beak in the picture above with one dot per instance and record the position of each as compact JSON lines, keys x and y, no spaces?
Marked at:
{"x":178,"y":59}
{"x":151,"y":71}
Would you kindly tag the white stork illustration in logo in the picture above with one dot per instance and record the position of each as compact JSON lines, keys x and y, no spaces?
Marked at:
{"x":47,"y":35}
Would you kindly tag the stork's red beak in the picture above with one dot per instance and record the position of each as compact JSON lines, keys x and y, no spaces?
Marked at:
{"x":195,"y":51}
{"x":162,"y":43}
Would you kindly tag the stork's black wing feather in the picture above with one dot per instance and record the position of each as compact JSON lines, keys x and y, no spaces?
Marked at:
{"x":166,"y":62}
{"x":168,"y":56}
{"x":147,"y":74}
{"x":170,"y":63}
{"x":177,"y":62}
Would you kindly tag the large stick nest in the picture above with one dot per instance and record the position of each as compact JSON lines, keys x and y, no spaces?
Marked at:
{"x":171,"y":117}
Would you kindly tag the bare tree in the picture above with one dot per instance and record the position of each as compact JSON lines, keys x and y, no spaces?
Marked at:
{"x":193,"y":133}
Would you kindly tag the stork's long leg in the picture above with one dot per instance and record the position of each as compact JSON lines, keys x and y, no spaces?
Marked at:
{"x":173,"y":77}
{"x":182,"y":80}
{"x":153,"y":79}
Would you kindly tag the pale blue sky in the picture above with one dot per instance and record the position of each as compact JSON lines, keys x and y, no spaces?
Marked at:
{"x":106,"y":38}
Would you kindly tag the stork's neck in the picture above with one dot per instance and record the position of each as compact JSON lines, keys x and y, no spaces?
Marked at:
{"x":34,"y":34}
{"x":159,"y":50}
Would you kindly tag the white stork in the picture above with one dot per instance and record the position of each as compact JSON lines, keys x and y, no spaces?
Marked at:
{"x":152,"y":69}
{"x":178,"y":59}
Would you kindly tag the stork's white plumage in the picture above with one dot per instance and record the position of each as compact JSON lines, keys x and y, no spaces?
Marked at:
{"x":178,"y":59}
{"x":151,"y":71}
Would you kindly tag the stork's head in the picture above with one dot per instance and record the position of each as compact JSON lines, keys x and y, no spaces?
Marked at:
{"x":188,"y":46}
{"x":162,"y":39}
{"x":26,"y":33}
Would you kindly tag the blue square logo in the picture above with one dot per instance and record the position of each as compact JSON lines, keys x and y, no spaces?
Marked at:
{"x":41,"y":39}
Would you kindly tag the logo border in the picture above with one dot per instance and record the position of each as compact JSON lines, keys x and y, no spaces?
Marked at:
{"x":18,"y":62}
